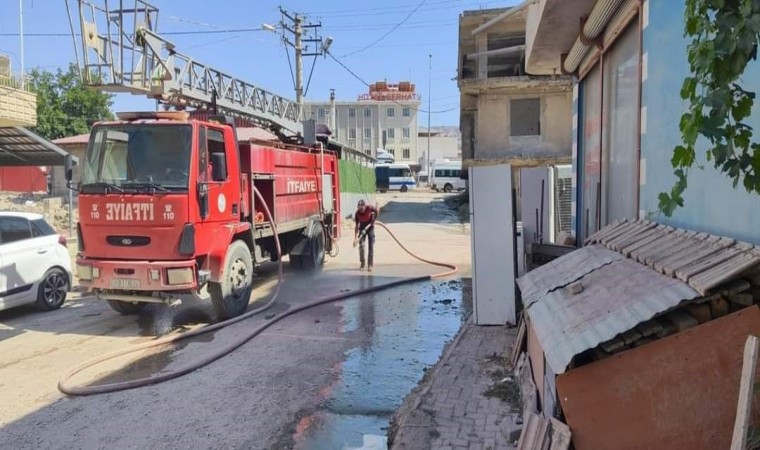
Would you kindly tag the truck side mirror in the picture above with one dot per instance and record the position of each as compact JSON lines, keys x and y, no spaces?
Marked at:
{"x":68,"y":167}
{"x":218,"y":167}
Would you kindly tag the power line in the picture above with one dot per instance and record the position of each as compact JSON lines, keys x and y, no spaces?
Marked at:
{"x":386,"y":10}
{"x":419,"y":5}
{"x":189,"y":32}
{"x":394,"y":101}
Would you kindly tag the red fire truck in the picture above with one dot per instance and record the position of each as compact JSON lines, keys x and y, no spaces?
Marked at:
{"x":167,"y":203}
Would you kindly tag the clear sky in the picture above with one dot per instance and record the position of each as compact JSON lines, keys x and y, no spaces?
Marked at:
{"x":259,"y":56}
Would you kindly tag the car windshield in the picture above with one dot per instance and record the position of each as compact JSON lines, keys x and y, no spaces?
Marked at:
{"x":140,"y":156}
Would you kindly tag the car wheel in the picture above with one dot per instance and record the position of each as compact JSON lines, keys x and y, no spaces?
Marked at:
{"x":53,"y":290}
{"x":404,"y":188}
{"x":448,"y":188}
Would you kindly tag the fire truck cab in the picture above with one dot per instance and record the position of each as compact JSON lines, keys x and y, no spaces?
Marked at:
{"x":167,"y":207}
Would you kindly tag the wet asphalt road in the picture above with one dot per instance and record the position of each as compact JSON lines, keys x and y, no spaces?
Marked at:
{"x":327,"y":378}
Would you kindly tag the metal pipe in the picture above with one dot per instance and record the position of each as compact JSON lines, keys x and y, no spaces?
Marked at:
{"x":600,"y":17}
{"x":333,"y":114}
{"x":639,"y":105}
{"x":577,"y":52}
{"x":594,"y":25}
{"x":498,"y":51}
{"x":71,"y":213}
{"x":511,"y":11}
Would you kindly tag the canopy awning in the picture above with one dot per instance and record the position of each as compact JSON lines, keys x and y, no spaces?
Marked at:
{"x":21,"y":147}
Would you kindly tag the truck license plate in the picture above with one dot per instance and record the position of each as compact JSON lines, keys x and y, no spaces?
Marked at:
{"x":125,"y":283}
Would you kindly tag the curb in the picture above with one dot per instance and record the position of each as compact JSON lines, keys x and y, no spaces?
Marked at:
{"x":423,"y":389}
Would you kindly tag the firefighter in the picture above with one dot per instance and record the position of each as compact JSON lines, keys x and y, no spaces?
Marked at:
{"x":364,"y":228}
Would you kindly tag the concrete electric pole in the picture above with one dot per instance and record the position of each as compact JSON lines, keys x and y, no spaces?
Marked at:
{"x":430,"y":112}
{"x":295,"y":24}
{"x":21,"y":39}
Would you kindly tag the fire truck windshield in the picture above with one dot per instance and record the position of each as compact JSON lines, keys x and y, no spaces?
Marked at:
{"x":138,"y":157}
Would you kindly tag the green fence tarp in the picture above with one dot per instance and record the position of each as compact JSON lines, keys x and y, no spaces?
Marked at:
{"x":356,"y":178}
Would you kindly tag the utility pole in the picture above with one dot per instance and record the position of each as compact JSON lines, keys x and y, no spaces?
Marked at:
{"x":430,"y":112}
{"x":295,"y":24}
{"x":21,"y":38}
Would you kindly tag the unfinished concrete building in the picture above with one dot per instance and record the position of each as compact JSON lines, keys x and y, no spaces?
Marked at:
{"x":507,"y":115}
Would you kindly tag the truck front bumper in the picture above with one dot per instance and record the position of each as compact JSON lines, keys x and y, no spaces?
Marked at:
{"x":140,"y":276}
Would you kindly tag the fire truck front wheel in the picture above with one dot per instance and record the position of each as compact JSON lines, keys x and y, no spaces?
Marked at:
{"x":231,"y":295}
{"x":126,"y":308}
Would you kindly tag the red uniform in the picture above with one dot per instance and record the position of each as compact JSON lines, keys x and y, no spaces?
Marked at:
{"x":365,"y":221}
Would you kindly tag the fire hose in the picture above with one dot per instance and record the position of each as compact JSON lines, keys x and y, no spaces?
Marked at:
{"x":67,"y":387}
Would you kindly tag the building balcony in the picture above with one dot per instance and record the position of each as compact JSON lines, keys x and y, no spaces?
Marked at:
{"x":18,"y":105}
{"x":492,"y":52}
{"x":552,"y":29}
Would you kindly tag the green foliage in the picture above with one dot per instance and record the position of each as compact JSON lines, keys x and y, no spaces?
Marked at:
{"x":65,"y":107}
{"x":724,"y":39}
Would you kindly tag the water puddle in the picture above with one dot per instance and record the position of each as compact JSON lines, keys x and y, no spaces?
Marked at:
{"x":396,"y":337}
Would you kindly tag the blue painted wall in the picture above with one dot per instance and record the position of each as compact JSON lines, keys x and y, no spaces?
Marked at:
{"x":711,"y":202}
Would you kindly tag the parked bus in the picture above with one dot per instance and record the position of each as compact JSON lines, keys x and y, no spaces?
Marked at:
{"x":394,"y":177}
{"x":447,"y":176}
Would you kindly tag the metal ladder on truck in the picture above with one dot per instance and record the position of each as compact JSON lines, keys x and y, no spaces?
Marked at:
{"x":121,"y":51}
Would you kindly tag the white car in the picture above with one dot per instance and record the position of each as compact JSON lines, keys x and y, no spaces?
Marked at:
{"x":35,"y":265}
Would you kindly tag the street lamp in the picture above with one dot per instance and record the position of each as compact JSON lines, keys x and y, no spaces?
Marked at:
{"x":268,"y":27}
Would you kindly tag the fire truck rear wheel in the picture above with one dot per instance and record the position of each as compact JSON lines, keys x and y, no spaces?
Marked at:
{"x":126,"y":308}
{"x":316,"y":257}
{"x":230,"y":296}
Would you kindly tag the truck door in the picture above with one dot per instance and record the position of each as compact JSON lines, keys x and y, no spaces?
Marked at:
{"x":222,"y":178}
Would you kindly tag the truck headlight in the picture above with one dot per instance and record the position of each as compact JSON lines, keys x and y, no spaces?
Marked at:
{"x":179,"y":276}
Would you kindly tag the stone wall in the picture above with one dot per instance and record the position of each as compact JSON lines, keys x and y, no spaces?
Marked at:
{"x":54,"y":209}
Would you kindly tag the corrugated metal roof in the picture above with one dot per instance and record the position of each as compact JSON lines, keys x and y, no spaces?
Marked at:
{"x":702,"y":260}
{"x":615,"y":298}
{"x":21,"y":147}
{"x":630,"y":272}
{"x":563,"y":271}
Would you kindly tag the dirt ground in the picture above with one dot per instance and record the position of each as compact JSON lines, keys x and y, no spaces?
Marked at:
{"x":255,"y":397}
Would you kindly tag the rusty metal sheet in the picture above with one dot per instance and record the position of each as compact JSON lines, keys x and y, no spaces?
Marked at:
{"x":563,"y":271}
{"x":724,"y":271}
{"x":615,"y":298}
{"x":676,"y":393}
